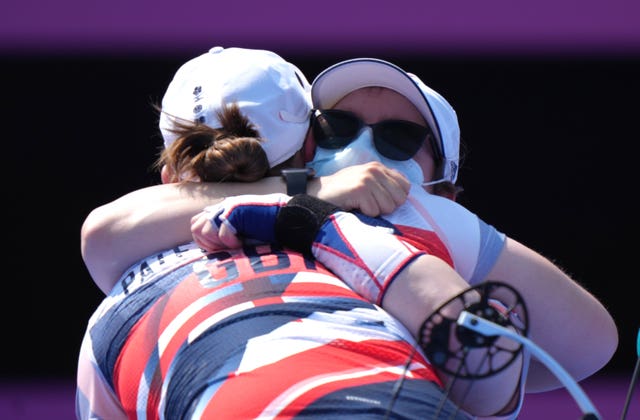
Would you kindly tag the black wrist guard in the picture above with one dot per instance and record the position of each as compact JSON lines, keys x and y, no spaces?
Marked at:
{"x":298,"y":223}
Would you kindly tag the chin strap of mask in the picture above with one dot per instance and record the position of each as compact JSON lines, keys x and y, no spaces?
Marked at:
{"x":437,"y":181}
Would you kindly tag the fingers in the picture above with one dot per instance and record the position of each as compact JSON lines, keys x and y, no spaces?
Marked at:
{"x":388,"y":187}
{"x":208,"y":237}
{"x":202,"y":232}
{"x":228,"y":238}
{"x":371,"y":188}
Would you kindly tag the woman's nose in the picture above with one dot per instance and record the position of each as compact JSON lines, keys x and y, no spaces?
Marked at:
{"x":364,"y":147}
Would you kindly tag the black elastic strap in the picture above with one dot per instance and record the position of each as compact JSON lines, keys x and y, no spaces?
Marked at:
{"x":296,"y":179}
{"x":298,"y":223}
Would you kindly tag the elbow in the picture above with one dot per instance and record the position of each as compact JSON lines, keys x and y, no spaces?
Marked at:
{"x":92,"y":235}
{"x":601,"y":349}
{"x":610,"y":340}
{"x":95,"y":249}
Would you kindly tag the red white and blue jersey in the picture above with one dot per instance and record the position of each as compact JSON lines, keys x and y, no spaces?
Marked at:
{"x":368,"y":258}
{"x":369,"y":255}
{"x":472,"y":245}
{"x":256,"y":332}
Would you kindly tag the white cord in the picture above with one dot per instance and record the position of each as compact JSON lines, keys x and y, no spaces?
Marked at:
{"x":488,"y":328}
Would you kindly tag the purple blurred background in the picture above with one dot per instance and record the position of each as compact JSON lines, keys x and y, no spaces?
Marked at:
{"x":53,"y":400}
{"x":414,"y":26}
{"x":560,"y":77}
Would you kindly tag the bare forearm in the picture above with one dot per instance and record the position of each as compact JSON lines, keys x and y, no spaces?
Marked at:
{"x":152,"y":219}
{"x":149,"y":220}
{"x":566,"y":320}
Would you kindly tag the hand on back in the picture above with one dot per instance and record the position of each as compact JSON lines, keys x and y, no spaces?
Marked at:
{"x":229,"y":222}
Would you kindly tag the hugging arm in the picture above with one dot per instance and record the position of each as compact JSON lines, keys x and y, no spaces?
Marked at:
{"x":117,"y":234}
{"x":566,"y":320}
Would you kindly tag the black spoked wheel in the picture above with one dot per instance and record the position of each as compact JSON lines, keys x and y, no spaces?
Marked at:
{"x":449,"y":345}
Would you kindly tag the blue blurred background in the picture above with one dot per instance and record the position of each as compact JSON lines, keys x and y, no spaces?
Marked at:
{"x":546,"y":92}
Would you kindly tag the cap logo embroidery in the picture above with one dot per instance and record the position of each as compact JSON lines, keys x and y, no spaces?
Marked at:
{"x":197,"y":96}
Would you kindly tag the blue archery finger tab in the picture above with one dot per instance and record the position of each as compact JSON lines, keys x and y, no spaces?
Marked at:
{"x":298,"y":223}
{"x":254,"y":221}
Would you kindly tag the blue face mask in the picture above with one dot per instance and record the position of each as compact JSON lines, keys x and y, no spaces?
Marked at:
{"x":361,"y":150}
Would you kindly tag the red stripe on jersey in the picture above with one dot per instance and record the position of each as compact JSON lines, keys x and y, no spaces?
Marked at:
{"x":134,"y":356}
{"x":304,"y":377}
{"x":143,"y":339}
{"x":427,"y":241}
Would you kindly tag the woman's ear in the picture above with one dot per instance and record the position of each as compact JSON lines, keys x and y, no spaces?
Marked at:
{"x":448,"y":190}
{"x":309,"y":147}
{"x":166,"y":175}
{"x":453,"y":196}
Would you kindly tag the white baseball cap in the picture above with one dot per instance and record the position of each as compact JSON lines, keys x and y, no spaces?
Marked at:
{"x":342,"y":78}
{"x":271,"y":92}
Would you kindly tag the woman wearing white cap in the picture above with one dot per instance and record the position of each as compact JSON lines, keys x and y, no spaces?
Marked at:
{"x":364,"y":93}
{"x":252,"y":332}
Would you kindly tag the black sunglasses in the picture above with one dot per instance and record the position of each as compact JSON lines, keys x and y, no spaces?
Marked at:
{"x":393,"y":139}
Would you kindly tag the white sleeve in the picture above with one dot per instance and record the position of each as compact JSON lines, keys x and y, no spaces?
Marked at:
{"x":474,"y":246}
{"x":367,"y":258}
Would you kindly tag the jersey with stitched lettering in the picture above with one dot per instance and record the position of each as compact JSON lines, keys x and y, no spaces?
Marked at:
{"x":250,"y":333}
